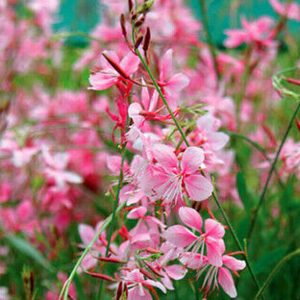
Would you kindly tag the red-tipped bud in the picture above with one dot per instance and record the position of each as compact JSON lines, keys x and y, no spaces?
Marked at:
{"x":116,"y":66}
{"x":139,"y":22}
{"x":111,"y":260}
{"x":147,"y":40}
{"x":152,"y":250}
{"x":130,"y":5}
{"x":293,"y":81}
{"x":123,"y":25}
{"x":138,"y":41}
{"x":147,"y":274}
{"x":119,"y":291}
{"x":100,"y":276}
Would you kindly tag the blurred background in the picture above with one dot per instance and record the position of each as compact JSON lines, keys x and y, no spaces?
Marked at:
{"x":83,"y":15}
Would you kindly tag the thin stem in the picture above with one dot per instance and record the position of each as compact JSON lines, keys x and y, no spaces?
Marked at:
{"x":275,"y":270}
{"x":158,"y":89}
{"x":209,"y":40}
{"x":116,"y":203}
{"x":236,"y":239}
{"x":65,"y":290}
{"x":187,"y":143}
{"x":271,"y":171}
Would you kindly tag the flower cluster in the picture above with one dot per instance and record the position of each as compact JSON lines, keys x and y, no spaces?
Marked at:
{"x":145,"y":135}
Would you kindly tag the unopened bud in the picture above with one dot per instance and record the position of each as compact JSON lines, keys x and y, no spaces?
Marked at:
{"x":116,"y":66}
{"x":147,"y":40}
{"x":293,"y":81}
{"x":130,"y":5}
{"x":123,"y":25}
{"x":139,"y":22}
{"x":145,"y":7}
{"x":138,"y":41}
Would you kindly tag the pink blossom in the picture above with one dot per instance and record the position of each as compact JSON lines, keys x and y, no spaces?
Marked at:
{"x":171,"y":84}
{"x":290,"y":10}
{"x":109,"y":76}
{"x":138,"y":286}
{"x":220,"y":275}
{"x":211,"y":238}
{"x":258,"y":32}
{"x":170,"y":177}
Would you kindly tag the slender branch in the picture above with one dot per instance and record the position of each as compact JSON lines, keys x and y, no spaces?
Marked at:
{"x":65,"y":290}
{"x":236,"y":239}
{"x":271,"y":171}
{"x":158,"y":89}
{"x":116,"y":203}
{"x":281,"y":263}
{"x":209,"y":40}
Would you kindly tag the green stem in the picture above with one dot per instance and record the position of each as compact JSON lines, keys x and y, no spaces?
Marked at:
{"x":187,"y":143}
{"x":116,"y":203}
{"x":236,"y":239}
{"x":275,"y":270}
{"x":65,"y":290}
{"x":271,"y":171}
{"x":158,"y":89}
{"x":209,"y":40}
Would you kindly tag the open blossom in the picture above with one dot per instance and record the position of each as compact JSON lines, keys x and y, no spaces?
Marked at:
{"x":56,"y":165}
{"x":218,"y":275}
{"x":171,"y":84}
{"x":209,"y":240}
{"x":140,"y":112}
{"x":258,"y":33}
{"x":290,"y":9}
{"x":170,"y":177}
{"x":138,"y":286}
{"x":110,"y":75}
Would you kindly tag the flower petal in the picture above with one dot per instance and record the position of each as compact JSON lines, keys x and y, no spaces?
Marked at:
{"x":166,"y":65}
{"x":192,"y":159}
{"x":214,"y":229}
{"x":233,"y":263}
{"x":226,"y":281}
{"x":137,"y":213}
{"x":165,"y":156}
{"x":190,"y":217}
{"x":179,"y":236}
{"x":176,"y":272}
{"x":178,"y":82}
{"x":198,"y":187}
{"x":130,"y":63}
{"x":215,"y":249}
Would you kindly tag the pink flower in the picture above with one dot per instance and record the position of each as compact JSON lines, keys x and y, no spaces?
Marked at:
{"x":138,"y":287}
{"x":146,"y":110}
{"x":208,"y":134}
{"x":258,"y":32}
{"x":56,"y":165}
{"x":211,"y":238}
{"x":110,"y":75}
{"x":290,"y":10}
{"x":169,"y":177}
{"x":169,"y":83}
{"x":220,"y":275}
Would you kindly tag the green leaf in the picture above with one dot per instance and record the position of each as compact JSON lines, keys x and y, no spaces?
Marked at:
{"x":27,"y":249}
{"x":266,"y":262}
{"x":243,"y":192}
